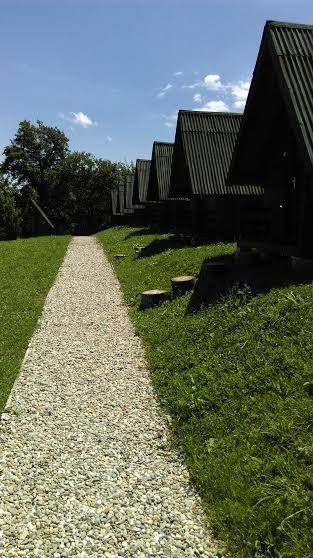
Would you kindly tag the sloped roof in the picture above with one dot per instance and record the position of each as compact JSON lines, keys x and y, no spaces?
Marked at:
{"x":129,"y":188}
{"x":204,"y":145}
{"x":160,"y":171}
{"x":141,"y":180}
{"x":283,"y":75}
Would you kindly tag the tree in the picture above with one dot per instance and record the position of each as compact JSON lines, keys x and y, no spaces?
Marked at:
{"x":82,"y":195}
{"x":73,"y":189}
{"x":34,"y":155}
{"x":9,"y":212}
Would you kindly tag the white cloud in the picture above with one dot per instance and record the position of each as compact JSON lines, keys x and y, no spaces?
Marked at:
{"x":212,"y":82}
{"x":165,"y":90}
{"x":178,"y":74}
{"x":234,"y":93}
{"x":109,"y":138}
{"x":170,"y":119}
{"x":215,"y":106}
{"x":240,"y":105}
{"x":195,"y":85}
{"x":197,"y":98}
{"x":240,"y":90}
{"x":81,"y":119}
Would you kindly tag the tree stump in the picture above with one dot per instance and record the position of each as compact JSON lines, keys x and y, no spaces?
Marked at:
{"x":120,"y":256}
{"x":183,"y":284}
{"x":152,"y":298}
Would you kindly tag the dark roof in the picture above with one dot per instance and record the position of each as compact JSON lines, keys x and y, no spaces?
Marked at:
{"x":160,"y":171}
{"x":281,"y":89}
{"x":141,"y":180}
{"x":203,"y":149}
{"x":129,"y":188}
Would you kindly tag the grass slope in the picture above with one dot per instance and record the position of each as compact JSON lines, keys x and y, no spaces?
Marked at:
{"x":28,"y":268}
{"x":237,"y":379}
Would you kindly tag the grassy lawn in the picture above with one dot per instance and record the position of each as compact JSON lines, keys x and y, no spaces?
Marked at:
{"x":237,"y":379}
{"x":28,"y":268}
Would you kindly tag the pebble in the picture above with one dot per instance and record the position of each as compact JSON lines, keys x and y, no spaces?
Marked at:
{"x":86,"y":468}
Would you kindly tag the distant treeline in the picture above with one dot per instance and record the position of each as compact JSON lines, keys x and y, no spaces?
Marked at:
{"x":71,"y":188}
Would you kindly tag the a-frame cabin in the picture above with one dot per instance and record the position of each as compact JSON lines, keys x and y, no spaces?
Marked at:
{"x":199,"y":200}
{"x":141,"y":181}
{"x":118,"y":203}
{"x":140,"y":188}
{"x":159,"y":183}
{"x":129,"y":190}
{"x":275,"y":143}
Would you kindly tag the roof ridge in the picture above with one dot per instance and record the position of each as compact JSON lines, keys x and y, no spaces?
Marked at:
{"x":274,"y":23}
{"x":209,"y":112}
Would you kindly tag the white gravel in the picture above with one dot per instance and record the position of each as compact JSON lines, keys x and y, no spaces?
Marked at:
{"x":85,"y":464}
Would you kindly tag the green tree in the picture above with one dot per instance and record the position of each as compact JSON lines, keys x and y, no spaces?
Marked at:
{"x":82,"y":193}
{"x":34,"y":155}
{"x":73,"y":189}
{"x":9,"y":212}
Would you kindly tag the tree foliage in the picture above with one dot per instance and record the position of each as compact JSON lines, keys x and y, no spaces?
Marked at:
{"x":34,"y":153}
{"x":72,"y":188}
{"x":9,"y":212}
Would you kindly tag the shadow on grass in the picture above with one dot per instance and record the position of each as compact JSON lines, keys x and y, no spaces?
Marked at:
{"x":147,"y":230}
{"x":160,"y":245}
{"x":260,"y":276}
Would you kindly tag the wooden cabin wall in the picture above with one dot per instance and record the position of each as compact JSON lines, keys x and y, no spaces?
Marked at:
{"x":204,"y":217}
{"x":158,"y":214}
{"x":284,"y":190}
{"x":180,"y":180}
{"x":305,"y":232}
{"x":252,"y":218}
{"x":218,"y":218}
{"x":281,"y":218}
{"x":179,"y":214}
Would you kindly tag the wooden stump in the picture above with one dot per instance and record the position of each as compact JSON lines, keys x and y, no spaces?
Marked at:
{"x":152,"y":298}
{"x":120,"y":256}
{"x":183,"y":284}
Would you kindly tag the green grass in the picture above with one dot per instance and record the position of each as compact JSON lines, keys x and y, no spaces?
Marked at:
{"x":28,"y":268}
{"x":237,"y":379}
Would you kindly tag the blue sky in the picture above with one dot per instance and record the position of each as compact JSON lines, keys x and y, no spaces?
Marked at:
{"x":113,"y":73}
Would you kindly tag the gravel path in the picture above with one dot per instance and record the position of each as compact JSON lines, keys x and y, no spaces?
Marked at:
{"x":85,"y":467}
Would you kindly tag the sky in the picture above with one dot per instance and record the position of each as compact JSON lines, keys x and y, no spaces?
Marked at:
{"x":112,"y":74}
